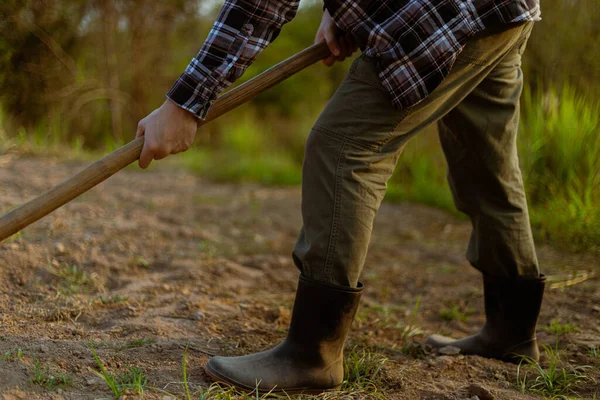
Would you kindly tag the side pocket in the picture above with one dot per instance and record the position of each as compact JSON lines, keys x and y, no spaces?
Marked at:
{"x":527,"y":28}
{"x":364,"y":70}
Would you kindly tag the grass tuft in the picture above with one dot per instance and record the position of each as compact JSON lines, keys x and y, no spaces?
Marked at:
{"x":132,"y":344}
{"x":73,"y":279}
{"x":133,"y":380}
{"x":41,"y":376}
{"x":363,"y":370}
{"x":559,"y":329}
{"x":455,"y":313}
{"x":555,"y":380}
{"x":113,"y":299}
{"x":12,"y":355}
{"x":411,"y":329}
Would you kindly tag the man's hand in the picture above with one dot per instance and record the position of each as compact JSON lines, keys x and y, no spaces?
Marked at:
{"x":340,"y":44}
{"x":168,"y":130}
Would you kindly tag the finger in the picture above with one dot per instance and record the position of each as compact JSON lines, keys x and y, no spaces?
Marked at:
{"x":332,"y":42}
{"x":329,"y":61}
{"x":343,"y":47}
{"x":147,"y":155}
{"x":159,"y":155}
{"x":141,"y":128}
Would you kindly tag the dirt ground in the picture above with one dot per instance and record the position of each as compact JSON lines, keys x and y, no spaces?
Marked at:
{"x":149,"y":262}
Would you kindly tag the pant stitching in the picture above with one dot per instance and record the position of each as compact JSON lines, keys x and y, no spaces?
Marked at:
{"x":359,"y":143}
{"x":334,"y":220}
{"x":391,"y":136}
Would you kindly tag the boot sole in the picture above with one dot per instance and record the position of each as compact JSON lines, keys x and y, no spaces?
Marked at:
{"x":218,"y":378}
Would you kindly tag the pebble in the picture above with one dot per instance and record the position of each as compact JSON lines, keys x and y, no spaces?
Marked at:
{"x":199,"y":316}
{"x":89,"y":239}
{"x":449,"y":350}
{"x":443,"y":361}
{"x":93,"y":381}
{"x":480,"y":392}
{"x":60,"y":248}
{"x":505,"y":384}
{"x":44,"y":348}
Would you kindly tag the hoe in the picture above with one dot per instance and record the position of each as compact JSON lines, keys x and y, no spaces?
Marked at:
{"x":102,"y":169}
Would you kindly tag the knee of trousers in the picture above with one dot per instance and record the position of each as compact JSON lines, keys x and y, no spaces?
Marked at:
{"x":339,"y":172}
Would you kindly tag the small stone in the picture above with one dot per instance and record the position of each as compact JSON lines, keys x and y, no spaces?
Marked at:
{"x":480,"y":391}
{"x":199,"y":316}
{"x":449,"y":350}
{"x":60,"y":248}
{"x":168,"y":398}
{"x":504,"y":384}
{"x":445,"y":361}
{"x":44,"y":348}
{"x":93,"y":381}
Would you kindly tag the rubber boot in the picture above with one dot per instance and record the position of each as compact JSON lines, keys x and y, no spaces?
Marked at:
{"x":310,"y":359}
{"x":512,"y":307}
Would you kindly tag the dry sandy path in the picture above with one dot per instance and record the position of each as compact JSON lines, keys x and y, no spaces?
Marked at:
{"x":170,"y":259}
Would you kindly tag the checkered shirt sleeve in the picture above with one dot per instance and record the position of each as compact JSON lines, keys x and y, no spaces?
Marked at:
{"x":242,"y":30}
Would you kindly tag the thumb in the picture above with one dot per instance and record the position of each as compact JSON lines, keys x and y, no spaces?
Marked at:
{"x":141,"y":129}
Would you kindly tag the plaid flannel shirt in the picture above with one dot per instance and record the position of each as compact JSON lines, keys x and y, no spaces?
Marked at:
{"x":414,"y":42}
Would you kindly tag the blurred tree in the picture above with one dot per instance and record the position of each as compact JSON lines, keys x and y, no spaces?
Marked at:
{"x":90,"y":69}
{"x":35,"y":43}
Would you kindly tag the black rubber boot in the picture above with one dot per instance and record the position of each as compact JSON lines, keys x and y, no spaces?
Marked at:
{"x":512,"y":307}
{"x":310,"y":359}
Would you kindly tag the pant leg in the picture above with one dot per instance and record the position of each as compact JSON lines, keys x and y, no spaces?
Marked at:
{"x":479,"y":138}
{"x":352,"y":150}
{"x":344,"y":177}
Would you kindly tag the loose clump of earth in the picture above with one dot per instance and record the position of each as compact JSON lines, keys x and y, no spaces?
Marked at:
{"x":152,"y":262}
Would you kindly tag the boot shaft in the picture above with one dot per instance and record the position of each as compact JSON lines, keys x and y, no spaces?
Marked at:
{"x":323,"y":314}
{"x":512,"y":306}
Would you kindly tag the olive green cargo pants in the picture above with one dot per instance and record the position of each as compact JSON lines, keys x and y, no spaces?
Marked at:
{"x":353,"y":148}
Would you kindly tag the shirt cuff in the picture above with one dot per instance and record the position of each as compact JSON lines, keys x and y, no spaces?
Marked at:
{"x":192,"y":96}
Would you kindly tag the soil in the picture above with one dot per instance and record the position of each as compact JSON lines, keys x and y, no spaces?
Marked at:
{"x":152,"y":261}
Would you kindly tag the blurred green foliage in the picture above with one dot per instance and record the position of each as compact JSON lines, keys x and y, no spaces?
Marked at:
{"x":82,"y":73}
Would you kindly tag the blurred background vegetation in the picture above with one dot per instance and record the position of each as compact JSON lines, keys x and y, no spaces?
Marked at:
{"x":79,"y":74}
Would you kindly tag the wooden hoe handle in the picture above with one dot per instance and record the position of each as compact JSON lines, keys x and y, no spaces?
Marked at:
{"x":102,"y":169}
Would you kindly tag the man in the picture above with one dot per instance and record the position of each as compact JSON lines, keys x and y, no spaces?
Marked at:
{"x":424,"y":61}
